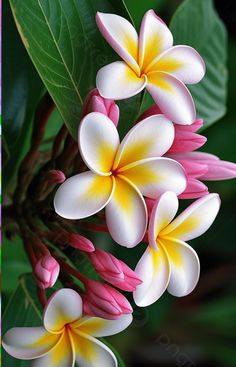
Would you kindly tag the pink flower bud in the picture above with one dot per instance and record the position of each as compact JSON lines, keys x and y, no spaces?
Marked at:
{"x":80,"y":242}
{"x":195,"y":189}
{"x":56,"y":176}
{"x":46,"y":271}
{"x":94,"y":102}
{"x":216,"y":168}
{"x":185,"y":139}
{"x":114,"y":271}
{"x":104,"y":301}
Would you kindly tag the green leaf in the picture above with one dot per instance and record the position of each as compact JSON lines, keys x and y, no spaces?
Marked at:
{"x":22,"y":88}
{"x":66,"y":47}
{"x":22,"y":310}
{"x":197,"y":24}
{"x":138,"y":8}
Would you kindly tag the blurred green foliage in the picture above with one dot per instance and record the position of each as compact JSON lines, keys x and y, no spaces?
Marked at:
{"x":201,"y":325}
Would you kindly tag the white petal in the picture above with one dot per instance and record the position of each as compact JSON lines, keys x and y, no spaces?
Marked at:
{"x":121,"y":35}
{"x":151,"y":137}
{"x":185,"y":267}
{"x":154,"y":270}
{"x":183,"y":62}
{"x":92,"y":352}
{"x":195,"y":220}
{"x":118,"y":81}
{"x":98,"y":142}
{"x":83,"y":195}
{"x":126,"y":214}
{"x":155,"y":37}
{"x":154,"y":176}
{"x":99,"y":327}
{"x":173,"y":98}
{"x":61,"y":356}
{"x":29,"y":342}
{"x":63,"y":307}
{"x":162,"y":214}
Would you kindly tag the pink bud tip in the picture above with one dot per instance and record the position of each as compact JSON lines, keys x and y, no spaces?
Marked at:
{"x":46,"y":271}
{"x":104,"y":301}
{"x":94,"y":102}
{"x":56,"y":176}
{"x":80,"y":242}
{"x":114,"y":270}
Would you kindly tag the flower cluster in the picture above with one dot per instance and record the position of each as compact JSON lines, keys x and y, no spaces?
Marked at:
{"x":138,"y":181}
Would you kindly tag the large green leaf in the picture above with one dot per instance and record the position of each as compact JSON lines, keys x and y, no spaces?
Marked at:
{"x":66,"y":47}
{"x":197,"y":24}
{"x":22,"y":88}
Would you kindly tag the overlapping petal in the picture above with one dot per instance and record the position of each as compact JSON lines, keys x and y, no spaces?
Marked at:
{"x":151,"y":137}
{"x":183,"y":62}
{"x":61,"y":355}
{"x":195,"y":220}
{"x":98,"y":142}
{"x":29,"y":342}
{"x":163,"y":211}
{"x":126,"y":214}
{"x":154,"y":176}
{"x":118,"y":81}
{"x":65,"y":306}
{"x":121,"y":35}
{"x":154,"y":270}
{"x":185,"y":267}
{"x":99,"y":327}
{"x":91,"y":352}
{"x":155,"y":37}
{"x":173,"y":98}
{"x":83,"y":195}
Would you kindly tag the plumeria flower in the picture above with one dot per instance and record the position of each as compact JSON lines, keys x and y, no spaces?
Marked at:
{"x":150,"y":61}
{"x":169,"y":262}
{"x":120,"y":174}
{"x":66,"y":337}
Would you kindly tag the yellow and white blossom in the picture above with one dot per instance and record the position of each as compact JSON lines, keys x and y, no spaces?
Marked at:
{"x":66,"y":337}
{"x":168,"y":262}
{"x":150,"y":61}
{"x":121,"y":174}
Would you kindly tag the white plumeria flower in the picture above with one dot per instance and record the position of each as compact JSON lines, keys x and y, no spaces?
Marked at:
{"x":67,"y":337}
{"x":150,"y":61}
{"x":121,"y":173}
{"x":169,"y":262}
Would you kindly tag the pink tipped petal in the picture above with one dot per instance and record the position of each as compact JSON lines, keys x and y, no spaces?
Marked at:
{"x":163,"y":212}
{"x":121,"y":36}
{"x":83,"y":195}
{"x":63,"y":307}
{"x":186,"y":141}
{"x":219,"y":170}
{"x":151,"y":137}
{"x":118,"y":81}
{"x":114,"y":114}
{"x":126,"y":214}
{"x":185,"y":267}
{"x":98,"y":142}
{"x":154,"y":176}
{"x":173,"y":98}
{"x":190,"y":128}
{"x":60,"y":356}
{"x":195,"y":189}
{"x":99,"y":327}
{"x":193,"y":169}
{"x":154,"y":270}
{"x":195,"y":220}
{"x":29,"y":342}
{"x":91,"y":352}
{"x":155,"y":37}
{"x":183,"y":62}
